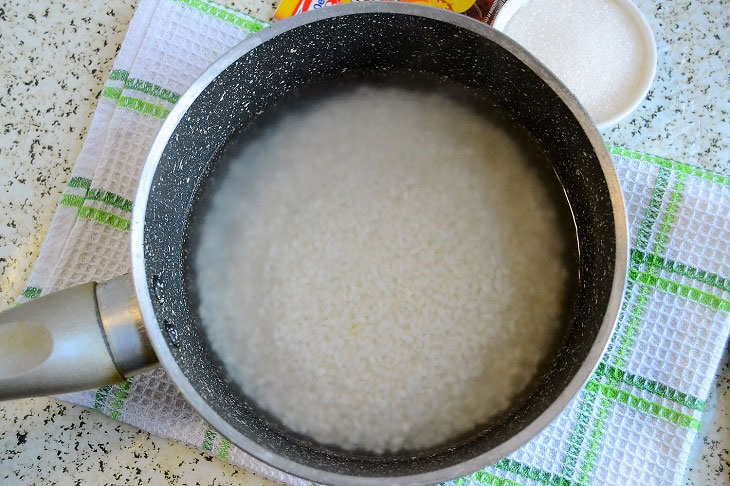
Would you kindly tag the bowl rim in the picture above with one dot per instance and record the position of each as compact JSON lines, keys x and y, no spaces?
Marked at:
{"x":511,"y":7}
{"x":160,"y":344}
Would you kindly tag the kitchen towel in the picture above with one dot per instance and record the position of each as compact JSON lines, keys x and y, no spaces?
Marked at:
{"x":634,"y":421}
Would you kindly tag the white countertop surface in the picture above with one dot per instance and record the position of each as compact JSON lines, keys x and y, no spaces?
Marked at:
{"x":55,"y":58}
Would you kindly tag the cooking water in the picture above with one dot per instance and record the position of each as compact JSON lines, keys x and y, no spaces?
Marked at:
{"x":384,"y":267}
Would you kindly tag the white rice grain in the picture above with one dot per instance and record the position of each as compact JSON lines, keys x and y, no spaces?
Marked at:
{"x":381,"y":270}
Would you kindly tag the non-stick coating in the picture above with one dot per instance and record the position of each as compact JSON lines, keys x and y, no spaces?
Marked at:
{"x":321,"y":50}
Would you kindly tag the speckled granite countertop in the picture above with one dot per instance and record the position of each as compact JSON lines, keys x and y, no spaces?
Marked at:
{"x":54,"y":60}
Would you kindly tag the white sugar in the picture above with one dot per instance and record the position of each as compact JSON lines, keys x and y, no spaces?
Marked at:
{"x":594,"y":46}
{"x":381,"y":270}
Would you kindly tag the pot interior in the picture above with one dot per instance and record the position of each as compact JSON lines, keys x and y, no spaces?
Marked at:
{"x":369,"y":43}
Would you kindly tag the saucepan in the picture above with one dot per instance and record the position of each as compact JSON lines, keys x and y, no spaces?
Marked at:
{"x":96,"y":334}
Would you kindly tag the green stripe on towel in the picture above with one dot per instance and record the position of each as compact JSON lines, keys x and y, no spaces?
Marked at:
{"x":109,"y":198}
{"x":485,"y":478}
{"x":650,"y":386}
{"x":245,"y":22}
{"x":224,"y":448}
{"x":115,"y":407}
{"x":671,"y":164}
{"x":101,"y":396}
{"x":118,"y":75}
{"x":208,"y":444}
{"x":708,"y":278}
{"x":82,"y":182}
{"x":104,"y":217}
{"x":143,"y":107}
{"x":96,"y":214}
{"x":151,"y":89}
{"x":209,"y":439}
{"x":72,"y":200}
{"x":119,"y":395}
{"x":115,"y":93}
{"x":31,"y":292}
{"x":97,"y":195}
{"x":644,"y":405}
{"x":111,"y":92}
{"x":532,"y":473}
{"x":694,"y":294}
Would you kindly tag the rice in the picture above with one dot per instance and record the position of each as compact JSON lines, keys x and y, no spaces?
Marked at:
{"x":380,"y":270}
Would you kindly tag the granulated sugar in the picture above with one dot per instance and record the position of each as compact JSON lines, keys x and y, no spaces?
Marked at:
{"x":594,"y":46}
{"x":382,"y":269}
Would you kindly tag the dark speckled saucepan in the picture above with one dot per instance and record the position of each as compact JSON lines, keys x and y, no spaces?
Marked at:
{"x":94,"y":334}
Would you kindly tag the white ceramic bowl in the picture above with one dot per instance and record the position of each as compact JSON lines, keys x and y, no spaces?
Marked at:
{"x":512,"y":6}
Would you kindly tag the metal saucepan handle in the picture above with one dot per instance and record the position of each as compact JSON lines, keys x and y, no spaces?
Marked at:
{"x":83,"y":337}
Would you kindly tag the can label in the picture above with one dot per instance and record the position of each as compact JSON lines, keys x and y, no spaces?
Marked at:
{"x":483,"y":10}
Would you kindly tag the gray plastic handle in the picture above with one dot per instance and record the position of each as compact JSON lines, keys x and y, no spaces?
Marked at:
{"x":83,"y":337}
